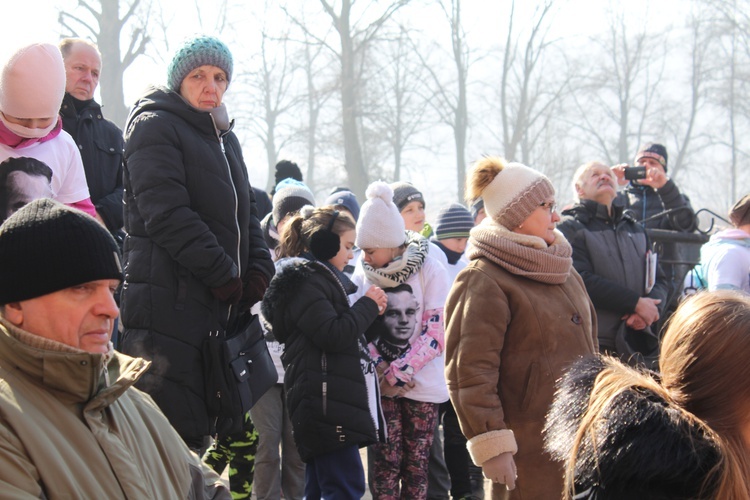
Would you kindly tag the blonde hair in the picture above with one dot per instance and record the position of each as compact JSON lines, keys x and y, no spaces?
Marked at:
{"x":295,"y":237}
{"x":705,"y":377}
{"x":705,"y":364}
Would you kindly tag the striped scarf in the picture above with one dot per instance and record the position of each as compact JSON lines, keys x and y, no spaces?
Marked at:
{"x":401,"y":269}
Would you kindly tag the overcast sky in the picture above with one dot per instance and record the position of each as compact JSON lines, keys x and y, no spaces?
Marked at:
{"x":36,"y":20}
{"x":485,"y":22}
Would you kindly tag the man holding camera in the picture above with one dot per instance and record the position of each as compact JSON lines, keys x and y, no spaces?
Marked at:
{"x":649,"y":191}
{"x":611,"y":253}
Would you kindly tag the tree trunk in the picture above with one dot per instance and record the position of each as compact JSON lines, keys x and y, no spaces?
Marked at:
{"x":108,"y":41}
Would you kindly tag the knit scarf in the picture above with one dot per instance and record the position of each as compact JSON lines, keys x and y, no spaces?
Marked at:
{"x":520,"y":254}
{"x":10,"y":138}
{"x":452,"y":256}
{"x":404,"y":266}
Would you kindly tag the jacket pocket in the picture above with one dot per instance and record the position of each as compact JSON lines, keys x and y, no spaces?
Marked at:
{"x":532,"y":380}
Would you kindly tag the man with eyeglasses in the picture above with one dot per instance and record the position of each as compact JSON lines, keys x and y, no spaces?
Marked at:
{"x":612,"y":254}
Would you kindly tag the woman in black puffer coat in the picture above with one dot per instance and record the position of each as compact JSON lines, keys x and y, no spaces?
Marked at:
{"x":195,"y":259}
{"x":330,"y":381}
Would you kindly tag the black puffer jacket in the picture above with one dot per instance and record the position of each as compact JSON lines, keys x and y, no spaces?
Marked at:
{"x":191,"y":226}
{"x":610,"y":255}
{"x":324,"y":346}
{"x":101,"y":144}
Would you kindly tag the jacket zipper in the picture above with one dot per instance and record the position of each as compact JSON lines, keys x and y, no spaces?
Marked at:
{"x":324,"y":368}
{"x":236,"y":204}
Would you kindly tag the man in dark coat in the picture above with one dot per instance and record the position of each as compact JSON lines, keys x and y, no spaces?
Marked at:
{"x":656,"y":193}
{"x":611,"y":253}
{"x":98,"y":139}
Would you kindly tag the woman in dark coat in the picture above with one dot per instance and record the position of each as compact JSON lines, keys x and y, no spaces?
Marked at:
{"x":195,"y":259}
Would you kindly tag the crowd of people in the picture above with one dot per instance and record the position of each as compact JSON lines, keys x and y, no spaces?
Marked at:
{"x":505,"y":340}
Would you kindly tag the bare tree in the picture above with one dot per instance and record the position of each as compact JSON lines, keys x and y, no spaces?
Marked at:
{"x":682,"y":126}
{"x":355,"y":36}
{"x":397,"y":108}
{"x":528,"y":94}
{"x":316,"y":96}
{"x":449,"y":98}
{"x":730,"y":20}
{"x":270,"y":96}
{"x":617,"y":102}
{"x":106,"y":30}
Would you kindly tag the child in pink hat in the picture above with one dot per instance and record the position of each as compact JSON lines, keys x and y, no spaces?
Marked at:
{"x":32,"y":85}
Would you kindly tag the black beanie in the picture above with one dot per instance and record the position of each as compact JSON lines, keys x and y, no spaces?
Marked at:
{"x":286,"y":169}
{"x":46,"y":247}
{"x":655,"y":151}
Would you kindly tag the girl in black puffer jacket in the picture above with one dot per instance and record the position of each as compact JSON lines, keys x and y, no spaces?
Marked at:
{"x":330,"y":382}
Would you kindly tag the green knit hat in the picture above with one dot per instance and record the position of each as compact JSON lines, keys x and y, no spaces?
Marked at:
{"x":195,"y":52}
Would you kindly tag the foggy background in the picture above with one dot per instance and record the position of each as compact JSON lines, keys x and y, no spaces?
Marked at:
{"x":417,"y":90}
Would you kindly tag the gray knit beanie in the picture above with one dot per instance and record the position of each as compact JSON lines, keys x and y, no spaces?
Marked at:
{"x":195,"y":52}
{"x":290,"y":196}
{"x":46,"y":247}
{"x":404,"y":193}
{"x":380,"y":224}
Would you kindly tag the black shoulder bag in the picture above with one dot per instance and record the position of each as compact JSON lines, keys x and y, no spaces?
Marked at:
{"x":237,"y":369}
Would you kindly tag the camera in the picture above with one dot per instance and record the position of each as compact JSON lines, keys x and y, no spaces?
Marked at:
{"x":634,"y":173}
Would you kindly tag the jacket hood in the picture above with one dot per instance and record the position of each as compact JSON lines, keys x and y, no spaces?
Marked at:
{"x":158,"y":98}
{"x":737,"y":236}
{"x":290,"y":275}
{"x":645,"y":447}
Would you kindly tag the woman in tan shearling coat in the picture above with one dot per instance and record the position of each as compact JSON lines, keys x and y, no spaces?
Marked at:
{"x":516,"y":318}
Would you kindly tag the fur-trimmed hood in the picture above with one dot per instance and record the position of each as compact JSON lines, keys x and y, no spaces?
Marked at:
{"x":646,"y":448}
{"x":290,"y":274}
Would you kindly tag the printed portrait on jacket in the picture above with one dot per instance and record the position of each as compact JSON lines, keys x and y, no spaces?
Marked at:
{"x":400,"y":321}
{"x":22,"y":180}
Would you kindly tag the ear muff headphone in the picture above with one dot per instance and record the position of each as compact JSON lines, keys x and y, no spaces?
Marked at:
{"x":324,"y":243}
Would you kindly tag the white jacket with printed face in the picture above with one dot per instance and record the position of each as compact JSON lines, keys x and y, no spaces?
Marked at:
{"x":430,"y":286}
{"x":72,"y":426}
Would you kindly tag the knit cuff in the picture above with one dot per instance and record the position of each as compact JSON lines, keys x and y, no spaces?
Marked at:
{"x":491,"y":444}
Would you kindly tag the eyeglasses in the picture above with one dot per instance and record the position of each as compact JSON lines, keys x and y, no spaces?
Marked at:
{"x":551,"y":205}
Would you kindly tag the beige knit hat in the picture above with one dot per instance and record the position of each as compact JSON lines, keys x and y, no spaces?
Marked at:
{"x":380,"y":224}
{"x":32,"y":82}
{"x":514,"y":193}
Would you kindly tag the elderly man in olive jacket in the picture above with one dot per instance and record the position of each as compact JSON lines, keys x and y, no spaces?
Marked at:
{"x":71,"y":423}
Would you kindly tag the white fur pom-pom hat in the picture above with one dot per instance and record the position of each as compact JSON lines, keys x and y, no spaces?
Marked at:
{"x":380,"y":224}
